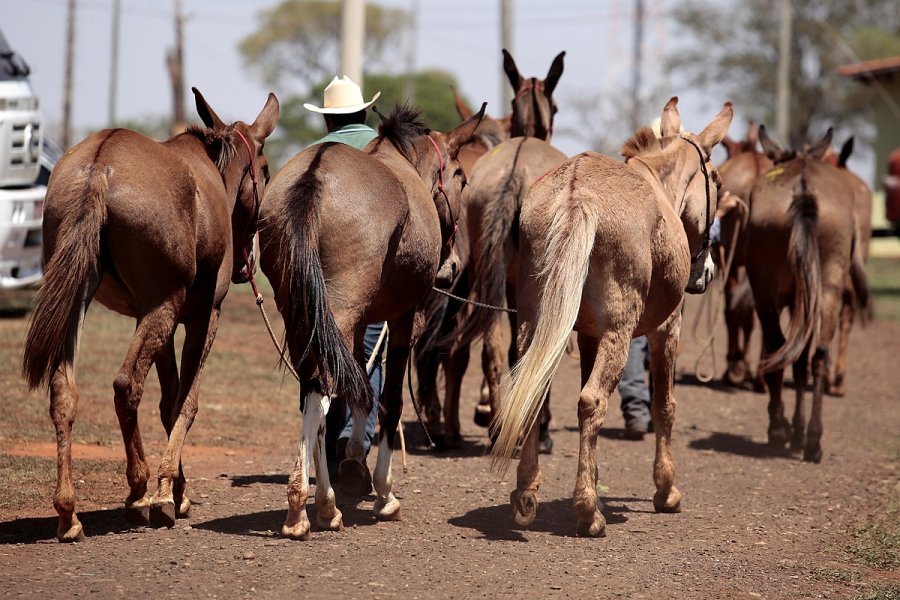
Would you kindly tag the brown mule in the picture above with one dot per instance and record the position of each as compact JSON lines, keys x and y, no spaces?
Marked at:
{"x":805,"y":241}
{"x":497,"y":186}
{"x":739,"y":172}
{"x":155,"y":231}
{"x":443,"y":315}
{"x":376,"y":225}
{"x":608,"y":249}
{"x":862,"y":208}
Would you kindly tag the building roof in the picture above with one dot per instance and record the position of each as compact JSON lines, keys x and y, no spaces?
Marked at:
{"x":871,"y":68}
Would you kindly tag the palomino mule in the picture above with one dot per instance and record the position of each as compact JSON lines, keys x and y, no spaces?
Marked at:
{"x":609,"y":249}
{"x":155,"y":231}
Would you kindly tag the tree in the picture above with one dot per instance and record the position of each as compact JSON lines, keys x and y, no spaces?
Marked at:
{"x":298,"y":41}
{"x":734,"y":47}
{"x":297,"y":127}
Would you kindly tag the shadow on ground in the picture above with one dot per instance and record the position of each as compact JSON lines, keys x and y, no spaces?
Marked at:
{"x":730,"y":443}
{"x":555,"y":517}
{"x":42,"y":529}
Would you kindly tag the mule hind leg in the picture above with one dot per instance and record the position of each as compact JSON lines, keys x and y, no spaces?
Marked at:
{"x":604,"y":373}
{"x":167,"y":372}
{"x":387,"y":507}
{"x":199,"y":333}
{"x":63,"y":406}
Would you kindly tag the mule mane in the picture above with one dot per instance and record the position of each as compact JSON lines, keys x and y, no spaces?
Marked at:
{"x":402,"y":127}
{"x":644,"y":141}
{"x":219,"y":144}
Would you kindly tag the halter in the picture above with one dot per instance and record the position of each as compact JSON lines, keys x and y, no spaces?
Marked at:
{"x":538,"y":86}
{"x":443,"y":192}
{"x":705,"y":245}
{"x":256,"y":201}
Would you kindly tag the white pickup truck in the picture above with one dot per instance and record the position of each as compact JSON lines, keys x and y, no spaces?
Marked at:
{"x":21,"y":197}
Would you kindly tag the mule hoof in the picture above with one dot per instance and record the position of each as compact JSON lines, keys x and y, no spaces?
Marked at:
{"x":669,"y":503}
{"x":387,"y":509}
{"x":162,"y":514}
{"x":593,"y":528}
{"x":354,"y":478}
{"x":483,"y":415}
{"x":836,"y":389}
{"x":778,"y":439}
{"x":525,"y":505}
{"x":812,"y":454}
{"x":545,"y":444}
{"x":75,"y":533}
{"x":138,"y":514}
{"x":796,"y":441}
{"x":453,"y":441}
{"x":334,"y":523}
{"x":184,"y":508}
{"x":299,"y":532}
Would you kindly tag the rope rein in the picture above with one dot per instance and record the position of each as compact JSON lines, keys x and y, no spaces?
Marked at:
{"x":713,"y":324}
{"x":473,"y":302}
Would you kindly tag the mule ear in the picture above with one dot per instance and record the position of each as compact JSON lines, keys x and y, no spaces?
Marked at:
{"x":717,"y":128}
{"x":772,"y":149}
{"x":464,"y":111}
{"x":207,"y":114}
{"x":464,"y":132}
{"x":555,"y":72}
{"x":752,"y":134}
{"x":819,"y":149}
{"x":670,"y":123}
{"x":511,"y":70}
{"x":732,"y":147}
{"x":846,"y":151}
{"x":265,"y":122}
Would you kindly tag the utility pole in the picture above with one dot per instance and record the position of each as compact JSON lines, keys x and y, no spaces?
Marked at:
{"x":175,"y":64}
{"x":783,"y":92}
{"x":409,"y":87}
{"x":353,"y":32}
{"x":114,"y":62}
{"x":506,"y":41}
{"x":636,"y":64}
{"x":66,"y":138}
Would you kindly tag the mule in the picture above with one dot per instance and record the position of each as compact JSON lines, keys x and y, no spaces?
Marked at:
{"x":497,"y":186}
{"x":154,"y":231}
{"x":739,"y":172}
{"x":443,"y":314}
{"x":376,"y":225}
{"x":862,"y":208}
{"x":806,"y":244}
{"x":608,"y":249}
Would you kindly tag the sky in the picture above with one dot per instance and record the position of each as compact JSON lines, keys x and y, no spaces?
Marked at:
{"x":461,"y":37}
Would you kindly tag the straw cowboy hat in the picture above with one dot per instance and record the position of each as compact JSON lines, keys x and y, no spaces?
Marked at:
{"x":342,"y":97}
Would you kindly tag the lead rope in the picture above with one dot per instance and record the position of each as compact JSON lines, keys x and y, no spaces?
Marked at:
{"x":713,"y":324}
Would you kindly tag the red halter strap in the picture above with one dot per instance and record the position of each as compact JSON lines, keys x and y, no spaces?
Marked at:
{"x":443,"y":192}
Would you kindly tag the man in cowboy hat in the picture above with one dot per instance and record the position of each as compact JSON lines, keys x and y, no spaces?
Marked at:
{"x":345,"y":120}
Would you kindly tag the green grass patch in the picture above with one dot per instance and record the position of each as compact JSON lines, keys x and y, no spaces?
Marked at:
{"x":876,"y":543}
{"x":834,"y":575}
{"x":884,"y":283}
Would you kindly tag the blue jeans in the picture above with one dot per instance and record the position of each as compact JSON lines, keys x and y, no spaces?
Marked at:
{"x":375,"y":380}
{"x":633,"y":386}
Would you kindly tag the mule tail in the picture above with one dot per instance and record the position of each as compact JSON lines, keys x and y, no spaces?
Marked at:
{"x":860,"y":282}
{"x":803,"y":261}
{"x":489,"y":273}
{"x":308,"y":313}
{"x":562,"y":271}
{"x":76,"y":257}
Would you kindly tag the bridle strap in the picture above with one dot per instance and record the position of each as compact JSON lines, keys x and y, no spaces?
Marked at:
{"x":705,"y":245}
{"x":443,"y":192}
{"x":256,"y":201}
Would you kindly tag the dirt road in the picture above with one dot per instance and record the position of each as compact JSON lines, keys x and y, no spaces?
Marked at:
{"x":754,"y":524}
